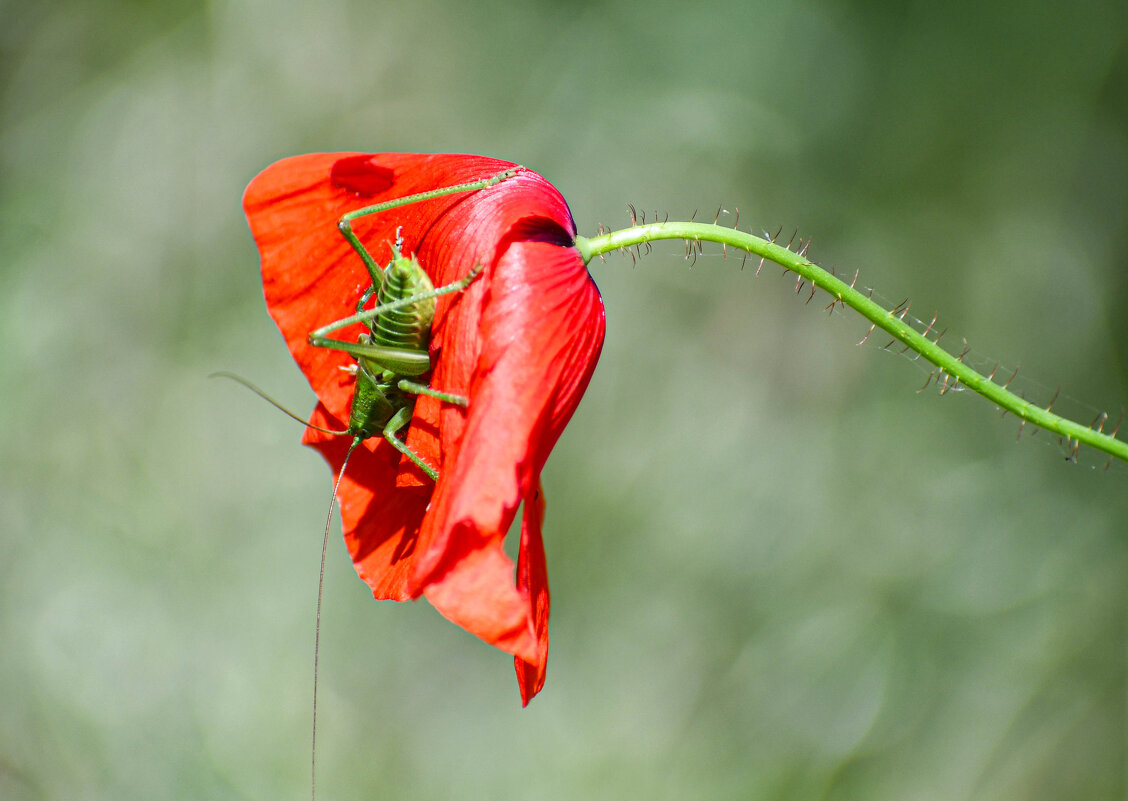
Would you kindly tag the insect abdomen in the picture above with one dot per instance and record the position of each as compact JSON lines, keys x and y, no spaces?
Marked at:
{"x":409,"y":326}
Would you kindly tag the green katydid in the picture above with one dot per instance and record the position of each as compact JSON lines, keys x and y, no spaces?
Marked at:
{"x":393,"y":352}
{"x":395,"y":349}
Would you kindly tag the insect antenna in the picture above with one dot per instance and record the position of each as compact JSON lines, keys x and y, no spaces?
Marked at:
{"x":317,"y":626}
{"x":274,"y":403}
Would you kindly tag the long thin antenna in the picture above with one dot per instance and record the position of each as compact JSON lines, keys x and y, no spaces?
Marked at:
{"x":272,"y":402}
{"x":317,"y":628}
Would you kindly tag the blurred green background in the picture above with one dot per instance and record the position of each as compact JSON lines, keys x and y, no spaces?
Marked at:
{"x":778,"y":571}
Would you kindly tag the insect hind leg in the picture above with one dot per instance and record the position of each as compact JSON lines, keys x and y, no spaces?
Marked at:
{"x":344,"y":225}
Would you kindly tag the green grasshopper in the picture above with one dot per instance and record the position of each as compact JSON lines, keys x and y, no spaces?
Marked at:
{"x":395,"y":349}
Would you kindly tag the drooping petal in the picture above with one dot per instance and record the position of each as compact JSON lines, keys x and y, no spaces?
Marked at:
{"x":542,"y":327}
{"x":479,"y":595}
{"x":532,"y":579}
{"x":541,"y":330}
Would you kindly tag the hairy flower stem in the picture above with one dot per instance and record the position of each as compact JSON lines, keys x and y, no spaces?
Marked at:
{"x":889,"y":320}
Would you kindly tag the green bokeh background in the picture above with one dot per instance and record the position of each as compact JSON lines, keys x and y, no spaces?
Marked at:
{"x":778,"y":571}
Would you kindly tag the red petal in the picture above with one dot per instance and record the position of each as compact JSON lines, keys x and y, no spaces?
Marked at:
{"x":478,"y":595}
{"x":532,"y":579}
{"x":542,"y":327}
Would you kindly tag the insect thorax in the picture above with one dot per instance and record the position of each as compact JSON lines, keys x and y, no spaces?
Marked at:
{"x":376,"y":397}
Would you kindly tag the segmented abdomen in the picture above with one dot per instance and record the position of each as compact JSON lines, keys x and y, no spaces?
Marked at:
{"x":409,"y":326}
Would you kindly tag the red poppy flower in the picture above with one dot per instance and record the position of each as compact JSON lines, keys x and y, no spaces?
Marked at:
{"x":521,"y":343}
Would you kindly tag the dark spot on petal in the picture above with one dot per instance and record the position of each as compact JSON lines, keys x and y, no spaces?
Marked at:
{"x":359,"y":175}
{"x":535,"y":229}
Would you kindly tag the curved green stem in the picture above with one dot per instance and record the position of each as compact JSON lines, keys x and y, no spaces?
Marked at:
{"x":889,"y":320}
